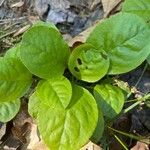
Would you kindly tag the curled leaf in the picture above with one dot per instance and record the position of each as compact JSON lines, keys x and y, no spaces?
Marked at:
{"x":88,"y":64}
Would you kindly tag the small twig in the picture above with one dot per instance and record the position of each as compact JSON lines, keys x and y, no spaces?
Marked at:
{"x":10,"y":26}
{"x":7,"y":34}
{"x":3,"y":21}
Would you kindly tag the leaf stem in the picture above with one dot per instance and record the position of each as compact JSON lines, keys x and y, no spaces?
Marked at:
{"x":139,"y":100}
{"x":121,"y":142}
{"x":138,"y":138}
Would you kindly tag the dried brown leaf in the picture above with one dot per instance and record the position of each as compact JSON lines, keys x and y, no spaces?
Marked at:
{"x":33,"y":137}
{"x":2,"y":130}
{"x":91,"y":146}
{"x":81,"y":38}
{"x":40,"y":146}
{"x":140,"y":146}
{"x":109,"y":5}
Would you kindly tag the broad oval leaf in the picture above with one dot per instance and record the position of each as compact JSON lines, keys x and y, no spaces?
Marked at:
{"x":138,"y":7}
{"x":125,"y":38}
{"x":44,"y":52}
{"x":55,"y":92}
{"x":15,"y":79}
{"x":8,"y":110}
{"x":110,"y":99}
{"x":88,"y":64}
{"x":67,"y":128}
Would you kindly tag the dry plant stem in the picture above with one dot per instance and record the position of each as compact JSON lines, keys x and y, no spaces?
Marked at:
{"x":139,"y":100}
{"x":145,"y":67}
{"x":4,"y":21}
{"x":7,"y":34}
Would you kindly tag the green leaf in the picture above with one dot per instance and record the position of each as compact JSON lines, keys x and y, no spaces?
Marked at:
{"x":138,"y":7}
{"x":110,"y":99}
{"x":8,"y":110}
{"x":66,"y":128}
{"x":88,"y":64}
{"x":47,"y":24}
{"x":13,"y":52}
{"x":57,"y":92}
{"x":44,"y":52}
{"x":34,"y":105}
{"x":98,"y":133}
{"x":15,"y":79}
{"x":125,"y":38}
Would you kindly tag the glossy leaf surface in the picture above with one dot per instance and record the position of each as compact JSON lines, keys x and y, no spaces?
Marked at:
{"x":65,"y":128}
{"x":44,"y":52}
{"x":125,"y":38}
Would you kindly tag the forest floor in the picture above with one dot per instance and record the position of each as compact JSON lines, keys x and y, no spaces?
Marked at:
{"x":74,"y":19}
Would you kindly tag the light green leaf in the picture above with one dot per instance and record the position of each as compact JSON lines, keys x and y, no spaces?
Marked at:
{"x":138,"y":7}
{"x":125,"y":38}
{"x":88,"y":64}
{"x":47,"y":24}
{"x":110,"y":99}
{"x":55,"y":93}
{"x":66,"y":128}
{"x":34,"y":105}
{"x":13,"y":52}
{"x":15,"y":79}
{"x":44,"y":52}
{"x":8,"y":110}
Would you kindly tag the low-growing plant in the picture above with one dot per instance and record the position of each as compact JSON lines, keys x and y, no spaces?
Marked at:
{"x":73,"y":100}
